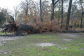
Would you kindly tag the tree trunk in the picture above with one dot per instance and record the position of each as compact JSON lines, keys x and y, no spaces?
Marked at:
{"x":81,"y":22}
{"x":41,"y":11}
{"x":53,"y":7}
{"x":61,"y":12}
{"x":52,"y":12}
{"x":68,"y":15}
{"x":26,"y":11}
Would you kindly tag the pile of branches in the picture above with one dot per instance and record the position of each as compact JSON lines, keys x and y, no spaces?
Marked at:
{"x":19,"y":29}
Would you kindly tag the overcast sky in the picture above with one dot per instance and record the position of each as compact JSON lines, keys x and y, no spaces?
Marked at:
{"x":10,"y":4}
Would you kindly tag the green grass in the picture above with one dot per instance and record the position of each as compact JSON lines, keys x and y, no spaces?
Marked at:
{"x":26,"y":46}
{"x":3,"y":33}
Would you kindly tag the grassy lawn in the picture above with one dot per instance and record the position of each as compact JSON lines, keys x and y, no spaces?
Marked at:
{"x":65,"y":45}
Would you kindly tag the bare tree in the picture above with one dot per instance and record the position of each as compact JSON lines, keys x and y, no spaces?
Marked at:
{"x":16,"y":11}
{"x":41,"y":10}
{"x":25,"y":6}
{"x":62,"y":1}
{"x":81,"y":22}
{"x":53,"y":7}
{"x":68,"y":14}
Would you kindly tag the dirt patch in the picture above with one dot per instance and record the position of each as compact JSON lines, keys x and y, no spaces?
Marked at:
{"x":67,"y":40}
{"x":45,"y":44}
{"x":51,"y":44}
{"x":4,"y":39}
{"x":4,"y":51}
{"x":81,"y":48}
{"x":73,"y":35}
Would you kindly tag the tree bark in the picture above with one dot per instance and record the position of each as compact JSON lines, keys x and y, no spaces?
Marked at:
{"x":52,"y":12}
{"x":81,"y":22}
{"x":68,"y":15}
{"x":53,"y":7}
{"x":61,"y":12}
{"x":27,"y":4}
{"x":41,"y":11}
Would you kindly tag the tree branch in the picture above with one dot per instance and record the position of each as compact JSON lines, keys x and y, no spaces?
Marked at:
{"x":56,"y":2}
